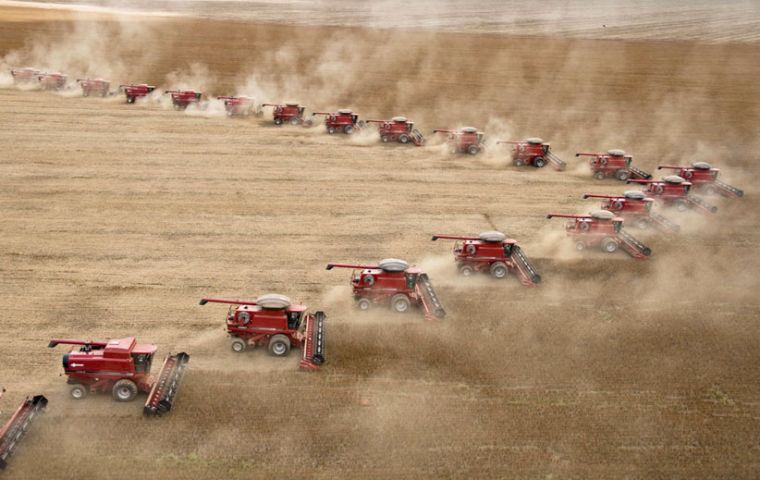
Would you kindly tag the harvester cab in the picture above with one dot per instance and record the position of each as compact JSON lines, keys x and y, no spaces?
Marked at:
{"x":181,"y":99}
{"x":291,"y":113}
{"x":534,"y":151}
{"x":133,"y":92}
{"x":393,"y":283}
{"x":18,"y":425}
{"x":94,"y":86}
{"x":614,"y":163}
{"x":52,"y":81}
{"x":704,"y":178}
{"x":492,"y":252}
{"x":344,"y":120}
{"x":24,"y":75}
{"x":275,"y":322}
{"x":399,"y":129}
{"x":673,"y":191}
{"x":601,"y":228}
{"x":465,"y":140}
{"x":122,"y":366}
{"x":636,"y":208}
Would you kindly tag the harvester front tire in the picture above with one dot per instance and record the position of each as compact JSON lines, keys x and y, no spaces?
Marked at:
{"x":363,"y":304}
{"x":539,"y":162}
{"x":467,"y":271}
{"x":78,"y":392}
{"x":499,"y":270}
{"x":681,"y":206}
{"x":622,"y":175}
{"x":400,"y":303}
{"x":279,"y":345}
{"x":124,"y":390}
{"x":609,"y":245}
{"x":348,"y":129}
{"x":473,"y":150}
{"x":294,"y":121}
{"x":238,"y":345}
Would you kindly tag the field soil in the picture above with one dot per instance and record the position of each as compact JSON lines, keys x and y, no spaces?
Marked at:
{"x":116,"y":219}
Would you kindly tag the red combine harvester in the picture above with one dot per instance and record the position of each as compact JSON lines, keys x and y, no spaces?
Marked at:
{"x":273,"y":321}
{"x":465,"y":140}
{"x":636,"y":208}
{"x":291,"y":113}
{"x":394,"y":283}
{"x":181,"y":99}
{"x":122,"y":366}
{"x":602,"y":229}
{"x":133,"y":92}
{"x":494,"y":253}
{"x":24,"y":75}
{"x":399,"y":129}
{"x":673,"y":191}
{"x":614,"y":163}
{"x":16,"y":427}
{"x":344,"y":120}
{"x":52,"y":81}
{"x":534,"y":151}
{"x":239,"y":106}
{"x":704,"y":178}
{"x":96,"y":86}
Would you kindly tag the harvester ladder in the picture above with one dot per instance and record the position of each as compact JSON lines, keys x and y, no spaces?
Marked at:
{"x":663,"y":223}
{"x":161,"y":396}
{"x":633,"y":247}
{"x":527,"y":272}
{"x":699,"y":204}
{"x":17,"y":426}
{"x":556,"y":162}
{"x":430,"y":301}
{"x":314,"y":343}
{"x":636,"y":172}
{"x":728,"y":190}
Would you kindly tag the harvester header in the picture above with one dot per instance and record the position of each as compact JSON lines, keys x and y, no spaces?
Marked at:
{"x":17,"y":426}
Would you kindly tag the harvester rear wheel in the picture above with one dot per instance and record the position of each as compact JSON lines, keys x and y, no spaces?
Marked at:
{"x":130,"y":99}
{"x":539,"y":162}
{"x":622,"y":175}
{"x":78,"y":392}
{"x":385,"y":138}
{"x":330,"y":130}
{"x":609,"y":245}
{"x":499,"y":270}
{"x":364,"y":304}
{"x":599,"y":175}
{"x":278,"y":121}
{"x":85,"y":93}
{"x":642,"y":223}
{"x":473,"y":149}
{"x":403,"y":138}
{"x":580,"y":246}
{"x":467,"y":271}
{"x":279,"y":345}
{"x":124,"y":390}
{"x":400,"y":303}
{"x":710,"y":190}
{"x":518,"y":162}
{"x":681,"y":206}
{"x":238,"y":345}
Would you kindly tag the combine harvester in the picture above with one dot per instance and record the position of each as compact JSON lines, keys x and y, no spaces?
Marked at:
{"x":18,"y":425}
{"x":704,"y":179}
{"x":291,"y":113}
{"x":24,"y":75}
{"x":273,"y":321}
{"x":494,"y":253}
{"x":399,"y":129}
{"x":239,"y":106}
{"x":614,"y":163}
{"x":602,"y":229}
{"x":52,"y":81}
{"x":133,"y":92}
{"x":535,"y":152}
{"x":344,"y":120}
{"x":393,"y":283}
{"x":181,"y":99}
{"x":122,"y":366}
{"x":636,"y":208}
{"x":673,"y":191}
{"x":465,"y":140}
{"x":94,"y":86}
